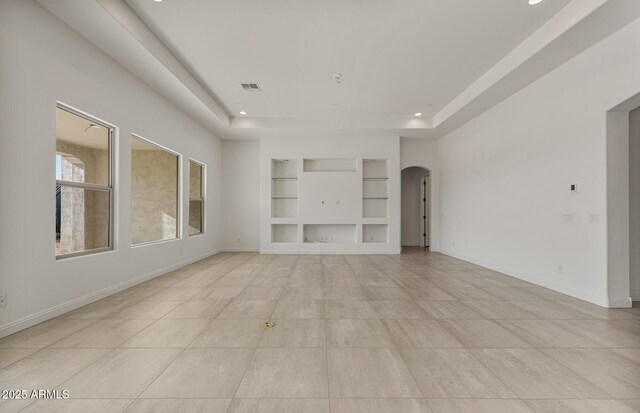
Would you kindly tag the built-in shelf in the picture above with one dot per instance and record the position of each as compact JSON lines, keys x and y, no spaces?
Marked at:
{"x":375,"y":233}
{"x":284,"y":233}
{"x":375,"y":191}
{"x":284,"y":188}
{"x":329,"y":233}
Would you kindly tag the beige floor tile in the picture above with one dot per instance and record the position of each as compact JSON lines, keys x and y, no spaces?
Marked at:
{"x":501,"y":310}
{"x":168,"y":333}
{"x":139,"y":292}
{"x":471,"y":293}
{"x":147,"y":309}
{"x":44,"y":334}
{"x":449,"y":310}
{"x":299,"y":309}
{"x":99,"y":309}
{"x":388,"y":293}
{"x":221,"y":293}
{"x":615,"y":374}
{"x":633,"y":403}
{"x":109,"y":333}
{"x":429,"y":292}
{"x":302,"y":293}
{"x":122,"y":373}
{"x":348,"y":309}
{"x":285,"y":373}
{"x":174,"y":294}
{"x":259,"y":293}
{"x":398,"y":309}
{"x":9,"y":356}
{"x":279,"y":406}
{"x":606,"y":332}
{"x":551,"y":310}
{"x":294,"y":332}
{"x":248,"y":309}
{"x":419,"y":333}
{"x":198,"y":309}
{"x":179,"y":405}
{"x":230,"y":333}
{"x":630,"y":353}
{"x":47,"y":368}
{"x":548,"y":294}
{"x":478,"y":406}
{"x":379,"y":406}
{"x":357,"y":333}
{"x":579,"y":406}
{"x":595,"y":311}
{"x":202,"y":373}
{"x":369,"y":373}
{"x":545,"y":333}
{"x":532,"y":374}
{"x":453,"y":373}
{"x":482,"y":334}
{"x":346,"y":293}
{"x":511,"y":294}
{"x":14,"y":406}
{"x":78,"y":406}
{"x":269,"y":282}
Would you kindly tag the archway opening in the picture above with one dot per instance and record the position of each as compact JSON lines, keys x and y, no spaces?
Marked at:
{"x":415,"y":225}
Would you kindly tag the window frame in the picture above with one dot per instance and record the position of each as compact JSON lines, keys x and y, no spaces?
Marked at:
{"x":95,"y":187}
{"x":202,"y":198}
{"x":179,"y":189}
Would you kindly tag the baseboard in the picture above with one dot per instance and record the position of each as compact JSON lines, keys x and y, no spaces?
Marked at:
{"x":623,"y":302}
{"x":410,"y":244}
{"x":332,"y":252}
{"x":601,"y":301}
{"x":71,"y":305}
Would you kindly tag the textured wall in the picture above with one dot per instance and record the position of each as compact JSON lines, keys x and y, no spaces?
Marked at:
{"x":154,"y":195}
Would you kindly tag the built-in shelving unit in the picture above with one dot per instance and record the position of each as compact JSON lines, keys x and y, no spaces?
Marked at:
{"x":284,"y":233}
{"x":375,"y":233}
{"x":329,"y":233}
{"x":284,"y":188}
{"x":375,"y":191}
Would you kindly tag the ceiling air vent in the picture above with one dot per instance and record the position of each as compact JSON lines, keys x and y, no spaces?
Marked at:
{"x":251,"y":87}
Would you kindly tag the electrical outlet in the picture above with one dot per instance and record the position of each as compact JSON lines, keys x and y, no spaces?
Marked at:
{"x":3,"y":299}
{"x":594,"y":218}
{"x":560,"y":269}
{"x":568,"y":218}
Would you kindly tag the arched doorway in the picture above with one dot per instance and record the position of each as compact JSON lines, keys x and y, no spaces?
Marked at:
{"x":415,"y":211}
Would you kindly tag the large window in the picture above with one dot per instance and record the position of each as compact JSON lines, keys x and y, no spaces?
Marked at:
{"x":84,"y":192}
{"x":154,"y":192}
{"x":196,"y":197}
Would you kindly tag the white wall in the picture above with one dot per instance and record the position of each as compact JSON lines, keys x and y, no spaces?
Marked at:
{"x":411,"y":229}
{"x":42,"y":61}
{"x":505,"y":176}
{"x":241,"y":195}
{"x":424,"y":153}
{"x":634,"y":197}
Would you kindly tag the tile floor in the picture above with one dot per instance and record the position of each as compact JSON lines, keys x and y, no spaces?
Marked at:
{"x":418,"y":332}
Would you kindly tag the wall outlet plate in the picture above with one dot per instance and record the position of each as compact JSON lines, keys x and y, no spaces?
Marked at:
{"x":3,"y":299}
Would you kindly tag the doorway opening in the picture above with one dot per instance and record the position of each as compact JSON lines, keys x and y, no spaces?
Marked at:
{"x":415,"y":207}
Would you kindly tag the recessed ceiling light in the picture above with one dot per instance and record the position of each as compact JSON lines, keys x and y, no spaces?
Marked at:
{"x":534,"y":2}
{"x":242,"y":112}
{"x":417,"y":114}
{"x":158,"y":1}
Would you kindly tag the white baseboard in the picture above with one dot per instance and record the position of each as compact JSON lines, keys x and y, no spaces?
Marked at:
{"x":55,"y":311}
{"x":601,"y":301}
{"x":623,"y":302}
{"x":332,"y":252}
